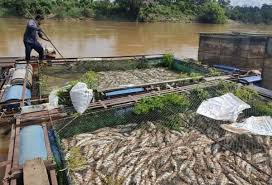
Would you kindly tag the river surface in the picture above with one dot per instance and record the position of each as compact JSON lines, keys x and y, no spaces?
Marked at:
{"x":108,"y":38}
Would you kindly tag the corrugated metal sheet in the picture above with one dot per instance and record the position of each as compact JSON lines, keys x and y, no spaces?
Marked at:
{"x":15,"y":93}
{"x":250,"y":79}
{"x":227,"y":69}
{"x":125,"y":91}
{"x":32,"y":144}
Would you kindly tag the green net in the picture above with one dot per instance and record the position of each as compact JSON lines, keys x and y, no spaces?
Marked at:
{"x":167,"y":138}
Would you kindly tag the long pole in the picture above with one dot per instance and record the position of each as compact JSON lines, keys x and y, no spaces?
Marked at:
{"x":46,"y":36}
{"x":52,"y":44}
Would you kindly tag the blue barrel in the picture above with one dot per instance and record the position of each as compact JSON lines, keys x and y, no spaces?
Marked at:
{"x":32,"y":144}
{"x":15,"y":93}
{"x":20,"y":74}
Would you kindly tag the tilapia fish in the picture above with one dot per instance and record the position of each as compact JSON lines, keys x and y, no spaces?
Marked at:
{"x":149,"y":155}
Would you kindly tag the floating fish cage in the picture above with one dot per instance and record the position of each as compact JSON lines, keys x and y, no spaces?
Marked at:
{"x":161,"y":140}
{"x":126,"y":75}
{"x":141,"y":128}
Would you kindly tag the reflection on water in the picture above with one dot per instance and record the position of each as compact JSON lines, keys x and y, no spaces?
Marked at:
{"x":108,"y":38}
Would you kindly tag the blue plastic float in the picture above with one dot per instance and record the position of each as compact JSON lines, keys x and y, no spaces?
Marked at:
{"x":32,"y":144}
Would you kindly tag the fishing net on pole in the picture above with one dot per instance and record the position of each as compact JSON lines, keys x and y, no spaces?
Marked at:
{"x":166,"y":143}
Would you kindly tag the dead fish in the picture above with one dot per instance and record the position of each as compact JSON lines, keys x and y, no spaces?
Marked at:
{"x":223,"y":180}
{"x":78,"y":178}
{"x":98,"y":181}
{"x":183,"y":166}
{"x":139,"y":166}
{"x":119,"y":159}
{"x":83,"y":136}
{"x":127,"y":181}
{"x":164,"y":177}
{"x":129,"y":170}
{"x":234,"y":179}
{"x":192,"y":162}
{"x":200,"y":180}
{"x":190,"y":173}
{"x":259,"y":158}
{"x":207,"y":150}
{"x":88,"y":175}
{"x":184,"y":177}
{"x":176,"y":133}
{"x":137,"y":178}
{"x":174,"y":164}
{"x":165,"y":166}
{"x":65,"y":144}
{"x":217,"y":167}
{"x":98,"y":155}
{"x":121,"y":150}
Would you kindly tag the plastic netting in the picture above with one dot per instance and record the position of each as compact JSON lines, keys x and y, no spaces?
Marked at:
{"x":242,"y":159}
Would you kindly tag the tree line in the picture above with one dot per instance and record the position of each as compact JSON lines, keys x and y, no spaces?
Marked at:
{"x":208,"y":11}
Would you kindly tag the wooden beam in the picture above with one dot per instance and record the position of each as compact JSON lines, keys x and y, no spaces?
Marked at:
{"x":10,"y":154}
{"x":35,"y":173}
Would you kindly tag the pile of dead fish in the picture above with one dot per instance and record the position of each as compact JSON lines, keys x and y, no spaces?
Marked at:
{"x":113,"y":79}
{"x":151,"y":155}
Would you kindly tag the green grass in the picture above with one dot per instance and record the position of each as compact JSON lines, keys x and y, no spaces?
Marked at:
{"x":149,"y":104}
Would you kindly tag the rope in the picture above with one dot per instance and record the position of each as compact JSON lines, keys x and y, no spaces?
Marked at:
{"x":67,"y":124}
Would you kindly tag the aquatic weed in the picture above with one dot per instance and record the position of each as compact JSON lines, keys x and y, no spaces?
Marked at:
{"x":149,"y":104}
{"x":168,"y":60}
{"x":76,"y":159}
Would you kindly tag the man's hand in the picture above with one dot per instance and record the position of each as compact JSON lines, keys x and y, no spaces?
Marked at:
{"x":46,"y":39}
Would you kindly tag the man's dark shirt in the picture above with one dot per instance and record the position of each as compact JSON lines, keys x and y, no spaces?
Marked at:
{"x":31,"y":32}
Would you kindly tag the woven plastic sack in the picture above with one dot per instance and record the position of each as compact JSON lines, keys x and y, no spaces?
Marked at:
{"x":81,"y":97}
{"x":254,"y":125}
{"x":224,"y":108}
{"x":53,"y":98}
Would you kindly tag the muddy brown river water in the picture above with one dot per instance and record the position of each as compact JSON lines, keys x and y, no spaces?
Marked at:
{"x":109,"y":38}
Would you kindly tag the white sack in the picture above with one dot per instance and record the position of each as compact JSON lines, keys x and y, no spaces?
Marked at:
{"x":225,"y":108}
{"x":256,"y":125}
{"x":53,"y":98}
{"x":81,"y":97}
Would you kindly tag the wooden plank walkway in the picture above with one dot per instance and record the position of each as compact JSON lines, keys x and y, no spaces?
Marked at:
{"x":35,"y":173}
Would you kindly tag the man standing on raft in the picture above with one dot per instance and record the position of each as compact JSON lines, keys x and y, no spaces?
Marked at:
{"x":30,"y":38}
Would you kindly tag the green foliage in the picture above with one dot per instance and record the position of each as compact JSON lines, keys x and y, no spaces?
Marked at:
{"x":110,"y":180}
{"x":174,"y":122}
{"x":212,"y":12}
{"x":251,"y":14}
{"x":200,"y":93}
{"x":225,"y":87}
{"x":263,"y":109}
{"x":168,"y":60}
{"x":214,"y":72}
{"x":146,"y":105}
{"x":159,"y":12}
{"x":246,"y":94}
{"x":194,"y":74}
{"x":142,"y":10}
